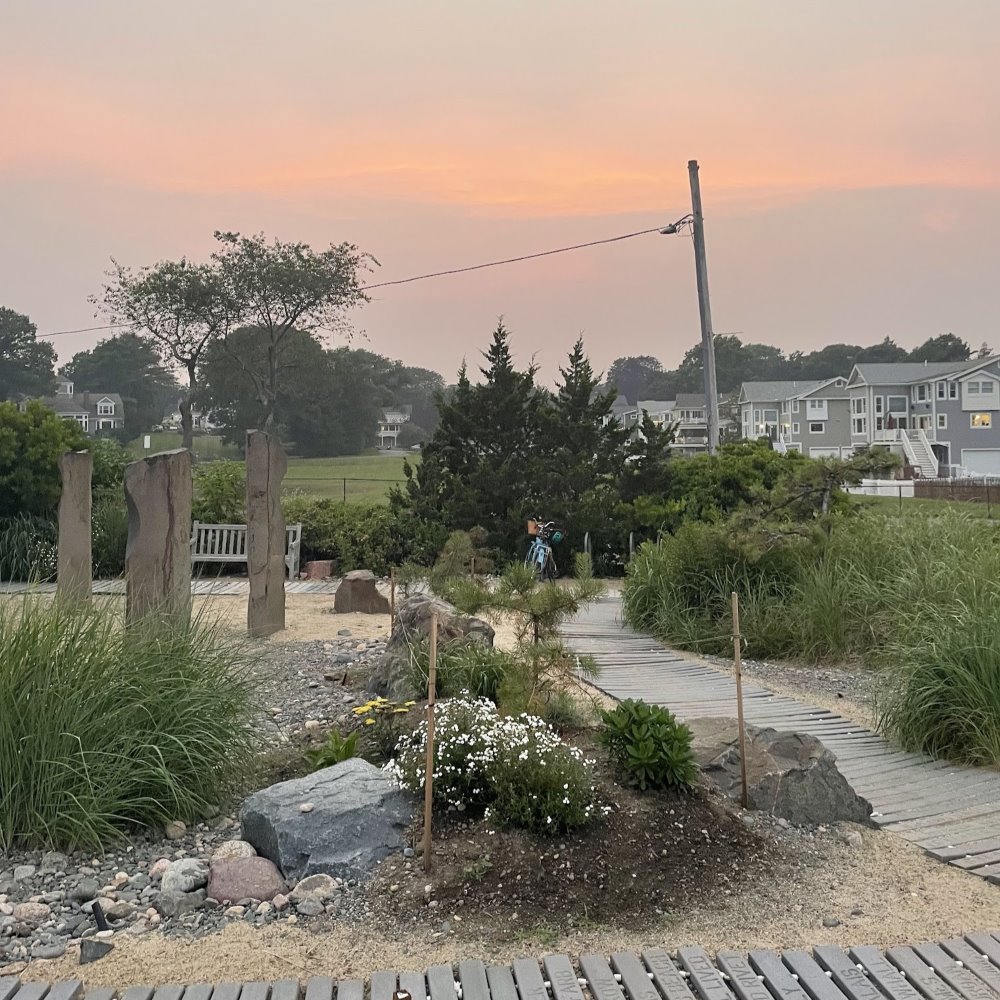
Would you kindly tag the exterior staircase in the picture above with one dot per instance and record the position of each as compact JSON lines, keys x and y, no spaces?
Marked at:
{"x":919,"y":453}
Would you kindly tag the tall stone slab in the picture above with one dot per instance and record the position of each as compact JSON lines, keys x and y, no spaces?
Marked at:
{"x":73,"y":579}
{"x":158,"y":494}
{"x":266,"y":467}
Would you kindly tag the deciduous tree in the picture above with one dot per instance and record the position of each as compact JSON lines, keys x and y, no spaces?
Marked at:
{"x":26,"y":364}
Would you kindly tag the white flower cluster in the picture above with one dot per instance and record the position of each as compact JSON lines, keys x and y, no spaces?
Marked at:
{"x":479,"y":754}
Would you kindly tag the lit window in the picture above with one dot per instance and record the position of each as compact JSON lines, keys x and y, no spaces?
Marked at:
{"x":980,"y":420}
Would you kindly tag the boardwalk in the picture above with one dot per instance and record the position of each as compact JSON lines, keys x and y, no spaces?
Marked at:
{"x":953,"y":812}
{"x":957,"y":969}
{"x":223,"y":586}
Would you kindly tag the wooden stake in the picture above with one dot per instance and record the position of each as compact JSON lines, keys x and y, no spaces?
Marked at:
{"x":392,"y":596}
{"x":429,"y":774}
{"x":738,"y":663}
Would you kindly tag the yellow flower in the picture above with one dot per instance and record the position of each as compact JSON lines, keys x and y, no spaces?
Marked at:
{"x":409,"y":704}
{"x":369,"y":722}
{"x":400,"y":711}
{"x":362,"y":710}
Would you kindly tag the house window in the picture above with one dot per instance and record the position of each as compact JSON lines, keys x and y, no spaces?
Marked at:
{"x":879,"y":423}
{"x":859,"y":425}
{"x":859,"y":404}
{"x":878,"y":404}
{"x":983,"y":420}
{"x":816,"y":404}
{"x":816,"y":428}
{"x":795,"y":429}
{"x":795,"y":406}
{"x":105,"y":409}
{"x":897,"y":404}
{"x":942,"y":421}
{"x":953,"y":390}
{"x":940,"y":390}
{"x":986,"y":388}
{"x":973,"y":388}
{"x":921,"y":392}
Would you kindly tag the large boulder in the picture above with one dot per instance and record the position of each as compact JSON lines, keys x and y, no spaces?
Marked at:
{"x":357,"y":593}
{"x":413,"y":626}
{"x":355,"y":815}
{"x":790,"y":775}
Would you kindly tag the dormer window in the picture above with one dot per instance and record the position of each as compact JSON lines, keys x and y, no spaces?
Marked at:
{"x":105,"y":408}
{"x":64,"y":389}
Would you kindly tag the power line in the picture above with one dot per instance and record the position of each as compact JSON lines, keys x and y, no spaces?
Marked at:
{"x":424,"y":277}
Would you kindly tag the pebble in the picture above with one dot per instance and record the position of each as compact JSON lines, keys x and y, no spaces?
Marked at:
{"x":56,"y":950}
{"x":853,"y":838}
{"x":85,"y":890}
{"x":235,"y":912}
{"x":234,"y":849}
{"x":176,"y":828}
{"x":831,"y":922}
{"x":23,"y":872}
{"x":280,"y":902}
{"x":307,"y":807}
{"x":31,"y":913}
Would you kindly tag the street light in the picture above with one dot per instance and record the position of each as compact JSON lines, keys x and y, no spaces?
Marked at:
{"x":697,"y":223}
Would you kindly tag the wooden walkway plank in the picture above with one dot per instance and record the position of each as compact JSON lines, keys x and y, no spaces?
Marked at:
{"x":779,"y":980}
{"x":413,"y":982}
{"x":600,"y":979}
{"x":562,"y":978}
{"x":528,"y":977}
{"x":635,"y":982}
{"x":472,"y":976}
{"x":201,"y":991}
{"x":441,"y":982}
{"x":810,"y":976}
{"x":742,"y":979}
{"x":256,"y":990}
{"x":849,"y":979}
{"x":284,"y":989}
{"x":383,"y":985}
{"x":70,"y":990}
{"x":888,"y":978}
{"x":228,"y":991}
{"x":963,"y":952}
{"x":9,"y":985}
{"x":501,"y":980}
{"x":319,"y":988}
{"x":32,"y":991}
{"x":705,"y":977}
{"x":169,"y":992}
{"x":666,"y":976}
{"x":138,"y":993}
{"x":960,"y":979}
{"x":919,"y":975}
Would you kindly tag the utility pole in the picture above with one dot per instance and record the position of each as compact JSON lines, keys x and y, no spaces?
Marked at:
{"x":704,"y":309}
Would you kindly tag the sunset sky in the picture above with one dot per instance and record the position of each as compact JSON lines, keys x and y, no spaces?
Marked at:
{"x":849,"y":151}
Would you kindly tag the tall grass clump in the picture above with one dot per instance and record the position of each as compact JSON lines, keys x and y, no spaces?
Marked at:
{"x":105,"y":729}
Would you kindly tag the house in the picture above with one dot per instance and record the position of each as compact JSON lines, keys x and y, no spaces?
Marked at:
{"x":690,"y":413}
{"x":809,"y":416}
{"x":938,"y":416}
{"x":200,"y":421}
{"x":93,"y":411}
{"x":392,"y":420}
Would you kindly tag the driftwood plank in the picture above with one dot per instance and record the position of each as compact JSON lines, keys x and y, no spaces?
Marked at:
{"x":666,"y":977}
{"x":705,"y":977}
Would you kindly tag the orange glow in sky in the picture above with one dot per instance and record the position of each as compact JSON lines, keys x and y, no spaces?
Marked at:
{"x":850,"y":161}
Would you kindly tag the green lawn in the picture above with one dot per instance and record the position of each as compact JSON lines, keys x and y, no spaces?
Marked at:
{"x":362,"y":478}
{"x":922,"y":506}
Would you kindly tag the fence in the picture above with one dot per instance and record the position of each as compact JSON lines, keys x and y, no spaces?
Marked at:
{"x":354,"y":488}
{"x":976,"y":495}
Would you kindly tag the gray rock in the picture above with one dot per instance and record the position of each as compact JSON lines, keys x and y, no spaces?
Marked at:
{"x":360,"y":816}
{"x":179,"y":904}
{"x":391,"y":678}
{"x":55,"y":950}
{"x":309,"y":908}
{"x":235,"y":879}
{"x":53,"y":861}
{"x":91,"y":950}
{"x":23,"y":872}
{"x":789,"y":775}
{"x":318,"y":887}
{"x":358,"y":594}
{"x":831,"y":922}
{"x":185,"y":875}
{"x":85,"y":890}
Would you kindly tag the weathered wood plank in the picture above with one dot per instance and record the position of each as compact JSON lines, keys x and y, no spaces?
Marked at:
{"x":666,"y":976}
{"x":441,"y":982}
{"x":501,"y":980}
{"x":413,"y":982}
{"x":383,"y":985}
{"x":562,"y":978}
{"x":138,"y":993}
{"x":779,"y":980}
{"x":973,"y":961}
{"x":810,"y":976}
{"x":889,"y":979}
{"x":849,"y":979}
{"x":919,"y":975}
{"x":256,"y":990}
{"x":472,"y":976}
{"x":170,"y":991}
{"x":32,"y":991}
{"x":743,"y":980}
{"x":228,"y":991}
{"x":600,"y":979}
{"x":528,"y":977}
{"x":201,"y":991}
{"x":70,"y":990}
{"x":635,"y":982}
{"x":318,"y":988}
{"x":705,"y":977}
{"x":986,"y":945}
{"x":99,"y":993}
{"x":9,"y":985}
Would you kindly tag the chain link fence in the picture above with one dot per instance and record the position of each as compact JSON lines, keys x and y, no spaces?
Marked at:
{"x":345,"y":488}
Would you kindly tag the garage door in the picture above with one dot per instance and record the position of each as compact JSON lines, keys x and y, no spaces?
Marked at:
{"x":981,"y":461}
{"x":824,"y":453}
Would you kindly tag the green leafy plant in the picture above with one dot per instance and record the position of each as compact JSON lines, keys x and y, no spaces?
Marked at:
{"x":220,"y":492}
{"x":384,"y":724}
{"x":107,"y":729}
{"x":649,"y":746}
{"x":28,"y":549}
{"x":109,"y":530}
{"x":336,"y":750}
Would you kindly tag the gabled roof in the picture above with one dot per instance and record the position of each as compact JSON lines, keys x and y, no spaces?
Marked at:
{"x":907,"y":372}
{"x":655,"y":405}
{"x":691,"y":400}
{"x":773,"y":392}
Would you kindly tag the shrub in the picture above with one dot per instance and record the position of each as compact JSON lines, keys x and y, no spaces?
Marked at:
{"x":109,"y":529}
{"x":30,"y":446}
{"x":29,"y":549}
{"x":336,"y":750}
{"x":107,"y":729}
{"x":220,"y":493}
{"x":463,"y":667}
{"x":649,"y":746}
{"x":518,"y":768}
{"x":110,"y":459}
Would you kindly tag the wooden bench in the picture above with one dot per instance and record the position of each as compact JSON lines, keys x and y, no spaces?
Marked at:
{"x":227,"y":543}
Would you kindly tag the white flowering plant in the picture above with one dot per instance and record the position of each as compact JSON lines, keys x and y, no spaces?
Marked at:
{"x":516,"y":768}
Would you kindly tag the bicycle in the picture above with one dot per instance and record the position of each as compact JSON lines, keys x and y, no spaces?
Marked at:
{"x":543,"y":535}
